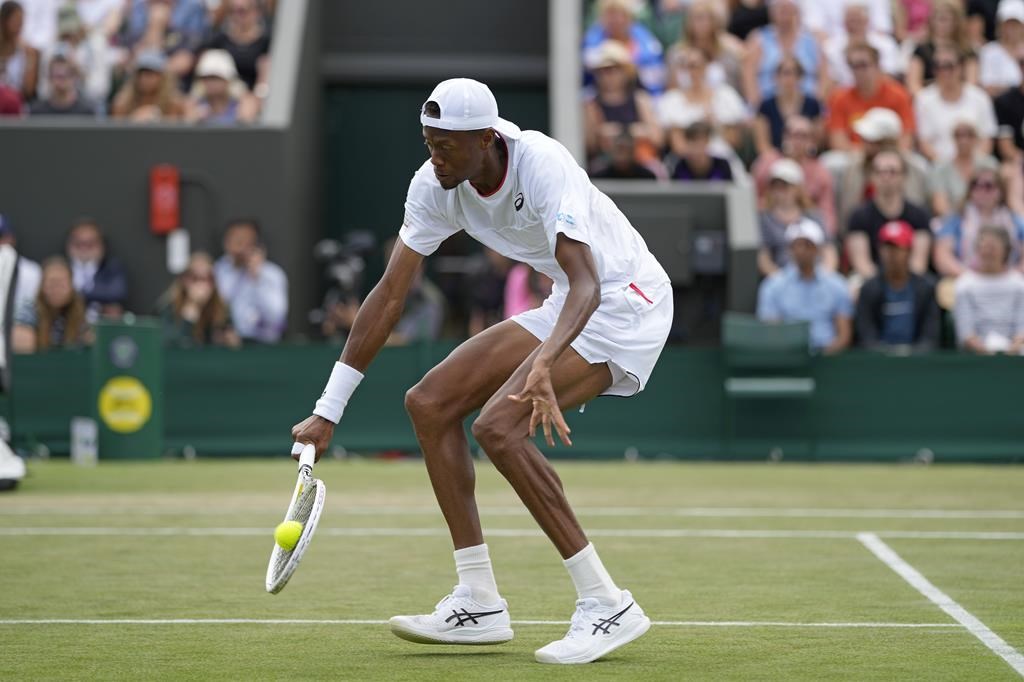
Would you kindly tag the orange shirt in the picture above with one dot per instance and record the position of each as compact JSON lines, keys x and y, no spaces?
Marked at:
{"x":846,"y":106}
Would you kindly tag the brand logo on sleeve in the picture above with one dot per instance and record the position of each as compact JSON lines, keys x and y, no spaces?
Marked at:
{"x":519,"y":201}
{"x":565,"y":218}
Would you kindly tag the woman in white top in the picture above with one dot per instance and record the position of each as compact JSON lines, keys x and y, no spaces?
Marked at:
{"x":694,"y":98}
{"x":946,"y":25}
{"x":939,"y":106}
{"x":19,"y":62}
{"x":989,"y":308}
{"x":858,"y":30}
{"x":998,"y":67}
{"x":705,"y":30}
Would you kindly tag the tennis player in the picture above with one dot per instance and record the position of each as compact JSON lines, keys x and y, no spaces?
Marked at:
{"x":599,"y":333}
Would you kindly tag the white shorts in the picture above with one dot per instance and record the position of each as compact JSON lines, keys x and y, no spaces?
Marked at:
{"x":627,"y":331}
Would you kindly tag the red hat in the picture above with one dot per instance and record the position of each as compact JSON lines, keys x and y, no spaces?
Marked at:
{"x":10,"y":101}
{"x":898,"y":233}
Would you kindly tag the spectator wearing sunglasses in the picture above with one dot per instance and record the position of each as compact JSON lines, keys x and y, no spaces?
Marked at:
{"x":984,"y":206}
{"x":949,"y":179}
{"x":857,"y":22}
{"x":787,"y":102}
{"x":949,"y":99}
{"x":871,"y":89}
{"x":889,"y":203}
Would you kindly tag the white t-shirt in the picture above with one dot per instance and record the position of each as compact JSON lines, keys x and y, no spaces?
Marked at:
{"x":544,"y":193}
{"x":990,"y":307}
{"x":726,"y":108}
{"x":997,"y":68}
{"x":826,"y":16}
{"x":937,"y":117}
{"x":890,"y":57}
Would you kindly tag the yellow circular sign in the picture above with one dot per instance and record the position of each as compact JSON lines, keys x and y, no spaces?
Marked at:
{"x":125,"y":405}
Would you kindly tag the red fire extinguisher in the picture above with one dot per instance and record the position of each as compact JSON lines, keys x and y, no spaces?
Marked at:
{"x":164,"y":199}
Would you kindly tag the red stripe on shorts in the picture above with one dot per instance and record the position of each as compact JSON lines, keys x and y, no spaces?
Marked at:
{"x":637,"y":290}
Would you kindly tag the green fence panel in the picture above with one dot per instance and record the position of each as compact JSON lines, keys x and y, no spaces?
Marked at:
{"x":867,"y":406}
{"x":127,"y":371}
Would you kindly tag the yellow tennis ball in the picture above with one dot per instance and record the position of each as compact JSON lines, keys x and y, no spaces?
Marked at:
{"x":287,"y":534}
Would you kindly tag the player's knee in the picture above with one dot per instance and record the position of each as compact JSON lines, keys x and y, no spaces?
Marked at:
{"x":491,"y":432}
{"x":419,"y":402}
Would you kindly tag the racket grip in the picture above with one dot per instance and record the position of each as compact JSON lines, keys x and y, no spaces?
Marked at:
{"x":308,"y":455}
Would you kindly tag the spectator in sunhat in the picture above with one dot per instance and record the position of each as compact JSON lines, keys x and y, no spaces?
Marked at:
{"x":219,"y":97}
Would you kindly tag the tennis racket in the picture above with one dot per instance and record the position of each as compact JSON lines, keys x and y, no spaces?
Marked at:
{"x":306,"y":506}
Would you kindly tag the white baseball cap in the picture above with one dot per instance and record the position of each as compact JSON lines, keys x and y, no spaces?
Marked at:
{"x":1010,"y":10}
{"x":879,"y":123}
{"x":787,"y":170}
{"x":217,"y":64}
{"x":805,"y":228}
{"x":466,"y":104}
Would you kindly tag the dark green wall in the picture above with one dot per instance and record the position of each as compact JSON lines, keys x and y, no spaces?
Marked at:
{"x":868,"y":407}
{"x":374,"y":144}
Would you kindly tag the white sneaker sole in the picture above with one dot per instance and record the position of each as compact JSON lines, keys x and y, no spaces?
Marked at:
{"x":638,"y":628}
{"x":408,"y":631}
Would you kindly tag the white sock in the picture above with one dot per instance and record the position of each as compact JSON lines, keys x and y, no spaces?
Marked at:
{"x":473,"y":564}
{"x":591,"y":578}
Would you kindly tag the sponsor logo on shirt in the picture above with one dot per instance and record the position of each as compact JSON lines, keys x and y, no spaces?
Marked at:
{"x":519,"y":201}
{"x":565,"y":218}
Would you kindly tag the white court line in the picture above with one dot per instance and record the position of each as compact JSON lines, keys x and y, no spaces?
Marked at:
{"x":701,"y":512}
{"x":71,"y":531}
{"x":311,"y":621}
{"x":890,"y":558}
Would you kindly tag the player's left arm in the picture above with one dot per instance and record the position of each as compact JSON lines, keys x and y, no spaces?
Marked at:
{"x":576,"y":260}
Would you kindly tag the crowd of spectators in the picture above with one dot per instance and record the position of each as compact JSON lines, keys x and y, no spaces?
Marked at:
{"x":240,"y":298}
{"x":200,"y":61}
{"x":883,"y":139}
{"x":896,"y":127}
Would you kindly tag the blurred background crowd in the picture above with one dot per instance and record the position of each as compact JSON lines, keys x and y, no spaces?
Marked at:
{"x":201,"y":61}
{"x":884,"y":140}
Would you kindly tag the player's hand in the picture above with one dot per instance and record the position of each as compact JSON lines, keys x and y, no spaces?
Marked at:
{"x":315,"y":430}
{"x":539,"y":392}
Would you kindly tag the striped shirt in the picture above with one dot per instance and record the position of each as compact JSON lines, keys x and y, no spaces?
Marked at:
{"x":989,"y":305}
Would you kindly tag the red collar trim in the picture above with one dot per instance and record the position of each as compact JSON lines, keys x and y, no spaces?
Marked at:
{"x":505,"y":175}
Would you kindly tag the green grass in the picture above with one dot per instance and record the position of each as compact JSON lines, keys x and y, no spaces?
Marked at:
{"x":703,"y":579}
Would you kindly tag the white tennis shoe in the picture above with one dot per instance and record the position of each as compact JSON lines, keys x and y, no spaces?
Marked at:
{"x":457,"y":619}
{"x":597,"y":630}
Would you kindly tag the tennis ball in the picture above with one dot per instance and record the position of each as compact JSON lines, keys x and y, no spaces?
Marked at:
{"x":287,"y":534}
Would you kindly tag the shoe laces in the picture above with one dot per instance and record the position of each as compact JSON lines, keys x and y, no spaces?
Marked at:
{"x":458,"y":592}
{"x":581,"y":617}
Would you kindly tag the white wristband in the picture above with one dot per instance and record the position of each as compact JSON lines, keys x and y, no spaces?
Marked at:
{"x":340,"y":387}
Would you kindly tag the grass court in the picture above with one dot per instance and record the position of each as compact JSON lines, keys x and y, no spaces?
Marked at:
{"x":750,"y":571}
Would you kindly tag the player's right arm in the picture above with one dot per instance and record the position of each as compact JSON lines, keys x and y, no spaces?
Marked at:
{"x":374,"y":322}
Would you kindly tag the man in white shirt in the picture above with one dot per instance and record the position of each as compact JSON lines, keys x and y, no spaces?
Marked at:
{"x":858,"y":29}
{"x":599,"y":333}
{"x":255,"y":289}
{"x":826,"y":18}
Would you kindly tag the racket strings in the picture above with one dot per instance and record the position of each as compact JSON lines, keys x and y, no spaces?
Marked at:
{"x":304,"y":505}
{"x":301,"y":512}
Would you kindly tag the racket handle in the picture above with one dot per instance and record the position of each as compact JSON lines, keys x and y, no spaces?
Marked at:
{"x":308,"y":456}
